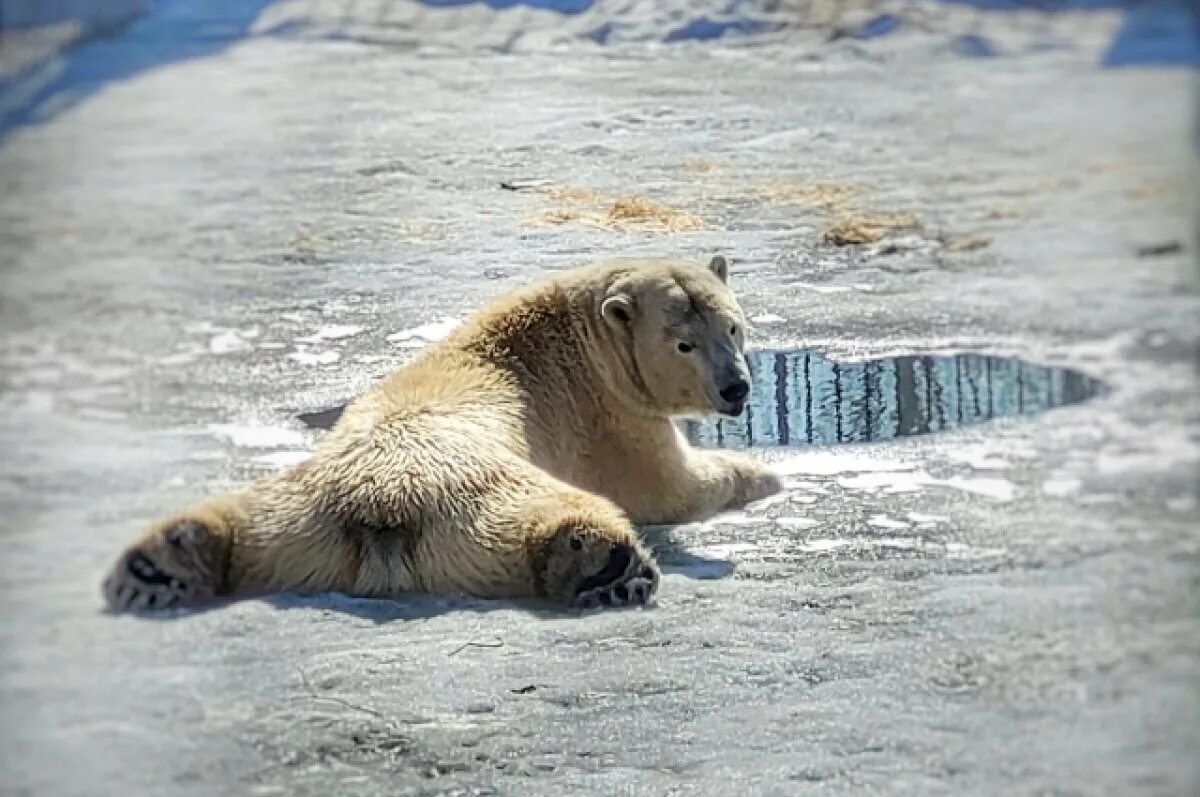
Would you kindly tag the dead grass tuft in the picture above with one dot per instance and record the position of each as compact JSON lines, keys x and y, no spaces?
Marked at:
{"x":860,"y":228}
{"x":822,"y":196}
{"x":624,"y":213}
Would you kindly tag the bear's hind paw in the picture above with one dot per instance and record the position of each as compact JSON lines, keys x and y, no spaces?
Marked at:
{"x":628,"y":579}
{"x":166,"y":570}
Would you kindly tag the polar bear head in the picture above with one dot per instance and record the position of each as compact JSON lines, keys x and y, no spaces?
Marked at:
{"x":679,"y":336}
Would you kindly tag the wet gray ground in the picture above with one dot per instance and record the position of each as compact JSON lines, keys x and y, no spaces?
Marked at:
{"x":1005,"y":608}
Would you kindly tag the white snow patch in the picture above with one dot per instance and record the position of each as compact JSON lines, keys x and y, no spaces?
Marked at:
{"x":1098,"y":499}
{"x":315,"y":357}
{"x":247,"y":436}
{"x":960,"y":550}
{"x":730,"y":519}
{"x":895,"y":542}
{"x":332,"y":332}
{"x":424,"y":334}
{"x":831,"y":464}
{"x":228,"y":342}
{"x":726,"y":550}
{"x":797,"y":522}
{"x":1060,"y":488}
{"x":997,"y":489}
{"x":892,"y":483}
{"x":283,"y":459}
{"x":180,"y":358}
{"x":816,"y":546}
{"x":767,"y":318}
{"x":766,"y":503}
{"x":889,"y":482}
{"x":885,"y":522}
{"x":920,"y":517}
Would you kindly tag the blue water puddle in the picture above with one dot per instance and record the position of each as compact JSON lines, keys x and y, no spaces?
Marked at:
{"x":1165,"y":34}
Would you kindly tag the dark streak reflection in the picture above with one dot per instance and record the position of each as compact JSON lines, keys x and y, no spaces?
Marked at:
{"x":878,"y":400}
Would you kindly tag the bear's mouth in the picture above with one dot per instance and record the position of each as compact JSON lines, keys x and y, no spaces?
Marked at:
{"x":732,"y":410}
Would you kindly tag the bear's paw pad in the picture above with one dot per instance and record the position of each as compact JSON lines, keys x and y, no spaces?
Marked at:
{"x":161,"y":573}
{"x":629,"y":578}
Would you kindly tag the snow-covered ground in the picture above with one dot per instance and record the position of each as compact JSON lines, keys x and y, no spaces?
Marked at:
{"x":200,"y":246}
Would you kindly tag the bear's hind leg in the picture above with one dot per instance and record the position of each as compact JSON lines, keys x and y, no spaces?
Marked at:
{"x":586,"y":553}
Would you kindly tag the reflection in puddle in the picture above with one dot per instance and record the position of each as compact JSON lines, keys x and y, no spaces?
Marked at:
{"x":802,"y":397}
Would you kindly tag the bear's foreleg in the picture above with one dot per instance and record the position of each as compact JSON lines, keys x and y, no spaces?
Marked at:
{"x":717,"y":481}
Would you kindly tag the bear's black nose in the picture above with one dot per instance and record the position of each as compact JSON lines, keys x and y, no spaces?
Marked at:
{"x":735,"y":391}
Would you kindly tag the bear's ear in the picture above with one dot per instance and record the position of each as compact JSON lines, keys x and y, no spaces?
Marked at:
{"x":617,"y":310}
{"x":719,"y":266}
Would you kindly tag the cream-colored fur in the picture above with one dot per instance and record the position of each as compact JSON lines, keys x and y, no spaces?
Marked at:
{"x":510,"y":460}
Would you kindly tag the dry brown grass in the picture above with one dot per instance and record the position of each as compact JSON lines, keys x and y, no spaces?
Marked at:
{"x":969,"y":243}
{"x":701,"y":166}
{"x":858,"y":228}
{"x":624,"y":213}
{"x":822,"y":196}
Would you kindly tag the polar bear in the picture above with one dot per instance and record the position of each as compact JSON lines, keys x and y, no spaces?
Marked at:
{"x":512,"y":460}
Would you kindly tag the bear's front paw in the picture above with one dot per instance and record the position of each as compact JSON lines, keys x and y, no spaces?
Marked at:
{"x":630,"y":577}
{"x":759,"y":484}
{"x":752,"y":480}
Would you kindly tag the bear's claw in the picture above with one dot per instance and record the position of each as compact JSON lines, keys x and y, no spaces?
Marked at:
{"x":138,"y":583}
{"x":628,"y":578}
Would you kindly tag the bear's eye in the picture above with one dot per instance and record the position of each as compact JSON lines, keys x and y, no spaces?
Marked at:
{"x":685,"y":347}
{"x":733,"y":331}
{"x":576,"y":543}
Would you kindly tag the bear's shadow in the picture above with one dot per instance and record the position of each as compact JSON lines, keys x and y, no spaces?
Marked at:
{"x":672,"y":557}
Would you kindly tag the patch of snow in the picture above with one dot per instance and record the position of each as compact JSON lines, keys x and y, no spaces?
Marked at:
{"x":731,"y":519}
{"x":1059,"y":488}
{"x":424,"y":334}
{"x":997,"y":489}
{"x":283,"y":459}
{"x":889,"y":482}
{"x":892,"y":483}
{"x":885,"y":522}
{"x":332,"y":332}
{"x":797,"y":522}
{"x":725,"y":550}
{"x":766,"y":503}
{"x":247,"y":436}
{"x":315,"y":358}
{"x":817,"y":546}
{"x":228,"y":342}
{"x":831,"y":464}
